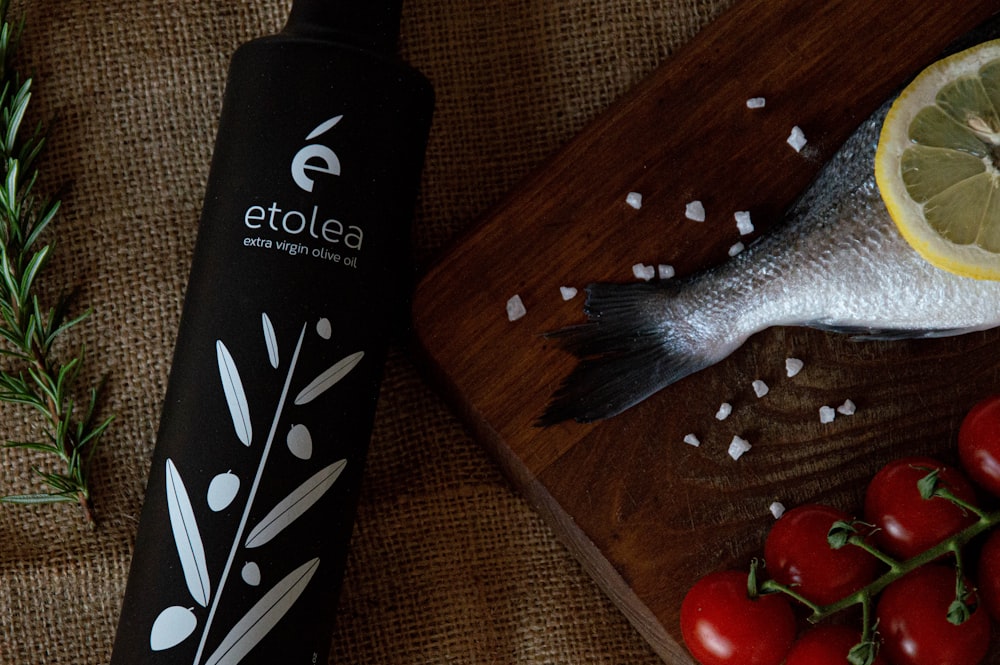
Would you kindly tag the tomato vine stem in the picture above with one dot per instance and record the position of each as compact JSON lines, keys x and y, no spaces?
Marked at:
{"x":896,"y":569}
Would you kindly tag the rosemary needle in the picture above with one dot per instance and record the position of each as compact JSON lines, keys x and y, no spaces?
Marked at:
{"x":31,"y":375}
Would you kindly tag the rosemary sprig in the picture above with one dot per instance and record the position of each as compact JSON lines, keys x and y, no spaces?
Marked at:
{"x":33,"y":375}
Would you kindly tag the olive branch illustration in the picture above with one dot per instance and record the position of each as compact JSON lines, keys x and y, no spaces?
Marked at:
{"x":176,"y":623}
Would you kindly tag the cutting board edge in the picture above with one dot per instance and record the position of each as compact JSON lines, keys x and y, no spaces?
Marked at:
{"x":605,"y":576}
{"x":596,"y":565}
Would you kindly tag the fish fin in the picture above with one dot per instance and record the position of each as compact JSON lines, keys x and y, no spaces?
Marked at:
{"x":627,"y":352}
{"x":871,"y":334}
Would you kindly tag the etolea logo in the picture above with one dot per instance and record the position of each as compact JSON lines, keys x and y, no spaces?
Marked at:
{"x":312,"y":160}
{"x":315,"y":157}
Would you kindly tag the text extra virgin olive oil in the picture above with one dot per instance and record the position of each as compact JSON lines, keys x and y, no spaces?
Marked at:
{"x":300,"y":274}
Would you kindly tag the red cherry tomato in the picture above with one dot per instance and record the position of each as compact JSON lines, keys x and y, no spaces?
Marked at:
{"x":907,"y":523}
{"x":798,"y":553}
{"x":826,"y":645}
{"x":989,"y":574}
{"x":912,"y":616}
{"x":722,"y":625}
{"x":979,"y":444}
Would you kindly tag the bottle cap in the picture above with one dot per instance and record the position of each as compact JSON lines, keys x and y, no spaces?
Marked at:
{"x":370,"y":24}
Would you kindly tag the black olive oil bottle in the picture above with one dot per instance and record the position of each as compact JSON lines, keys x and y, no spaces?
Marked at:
{"x":300,"y":275}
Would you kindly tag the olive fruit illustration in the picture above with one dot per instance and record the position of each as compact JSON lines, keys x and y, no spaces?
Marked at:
{"x":300,"y":442}
{"x":251,"y":573}
{"x":222,"y":490}
{"x":323,"y":328}
{"x":172,"y":627}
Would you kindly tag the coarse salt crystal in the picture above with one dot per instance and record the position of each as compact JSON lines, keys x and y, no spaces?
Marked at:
{"x":777,"y":509}
{"x":793,"y":366}
{"x":760,"y":388}
{"x":568,"y":292}
{"x":692,"y":440}
{"x":738,"y":446}
{"x":695,"y":211}
{"x":634,"y":199}
{"x":756,"y":103}
{"x":797,"y":139}
{"x":848,"y":408}
{"x":826,"y":414}
{"x":515,"y":308}
{"x":736,"y":249}
{"x":743,"y":222}
{"x":665,"y":271}
{"x":642,"y":271}
{"x":724,"y":410}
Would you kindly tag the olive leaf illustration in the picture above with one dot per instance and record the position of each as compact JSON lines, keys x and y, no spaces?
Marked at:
{"x":296,"y":503}
{"x":324,"y":127}
{"x":270,"y":339}
{"x":187,"y":537}
{"x":263,"y":616}
{"x":247,"y":633}
{"x":242,"y":640}
{"x":327,"y":379}
{"x":236,"y":397}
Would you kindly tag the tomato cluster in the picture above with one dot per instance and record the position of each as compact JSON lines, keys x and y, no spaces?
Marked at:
{"x":902,"y":561}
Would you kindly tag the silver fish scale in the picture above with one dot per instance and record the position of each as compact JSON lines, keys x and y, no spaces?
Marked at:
{"x":837,"y":262}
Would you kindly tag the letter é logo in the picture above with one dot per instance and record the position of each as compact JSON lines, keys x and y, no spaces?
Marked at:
{"x":315,"y":158}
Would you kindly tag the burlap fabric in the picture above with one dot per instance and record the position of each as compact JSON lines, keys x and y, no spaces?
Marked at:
{"x":448,"y":563}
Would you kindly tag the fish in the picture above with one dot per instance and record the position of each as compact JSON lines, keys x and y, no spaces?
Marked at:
{"x":835,"y":262}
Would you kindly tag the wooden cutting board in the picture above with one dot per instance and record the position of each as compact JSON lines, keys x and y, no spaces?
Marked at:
{"x":646,"y":513}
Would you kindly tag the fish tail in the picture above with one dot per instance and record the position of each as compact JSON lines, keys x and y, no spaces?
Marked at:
{"x":628,"y":349}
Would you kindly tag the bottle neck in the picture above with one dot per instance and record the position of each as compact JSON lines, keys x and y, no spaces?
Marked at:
{"x":368,"y":24}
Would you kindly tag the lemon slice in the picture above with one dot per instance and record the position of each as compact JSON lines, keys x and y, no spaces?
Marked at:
{"x":937,"y":162}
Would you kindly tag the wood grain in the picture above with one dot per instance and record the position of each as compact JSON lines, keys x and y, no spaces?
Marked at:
{"x":644,"y":512}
